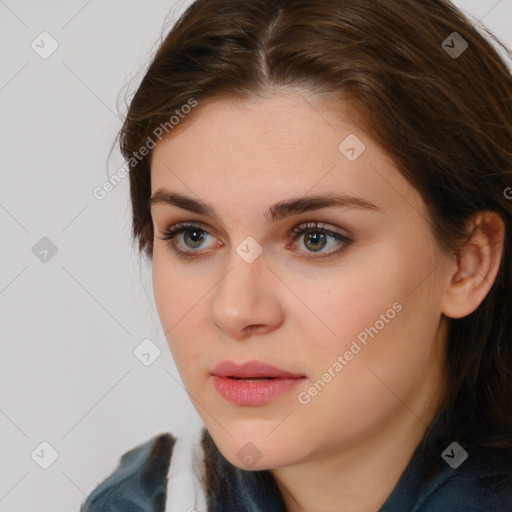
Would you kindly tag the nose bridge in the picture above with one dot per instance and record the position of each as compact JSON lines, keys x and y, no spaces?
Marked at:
{"x":242,"y":297}
{"x":247,"y":267}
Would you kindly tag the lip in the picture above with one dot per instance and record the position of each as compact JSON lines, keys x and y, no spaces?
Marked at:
{"x":252,"y":393}
{"x":251,"y":369}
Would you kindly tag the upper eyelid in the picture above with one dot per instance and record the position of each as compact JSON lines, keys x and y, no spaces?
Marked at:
{"x":302,"y":226}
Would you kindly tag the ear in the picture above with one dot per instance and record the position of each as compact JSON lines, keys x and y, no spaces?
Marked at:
{"x":477,"y":265}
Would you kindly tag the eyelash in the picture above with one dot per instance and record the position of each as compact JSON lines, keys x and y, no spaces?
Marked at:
{"x":301,"y":229}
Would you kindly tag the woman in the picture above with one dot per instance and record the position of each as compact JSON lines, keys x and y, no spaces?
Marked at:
{"x":375,"y":375}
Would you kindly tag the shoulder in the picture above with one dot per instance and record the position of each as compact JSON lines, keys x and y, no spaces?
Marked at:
{"x":480,"y":483}
{"x":140,"y":477}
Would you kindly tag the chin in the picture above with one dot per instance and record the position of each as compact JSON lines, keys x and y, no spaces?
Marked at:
{"x":257,"y":450}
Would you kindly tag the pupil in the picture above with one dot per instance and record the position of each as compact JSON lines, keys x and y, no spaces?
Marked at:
{"x":316,"y":236}
{"x":194,"y":234}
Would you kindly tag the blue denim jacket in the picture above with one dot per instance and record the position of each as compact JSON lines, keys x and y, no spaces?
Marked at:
{"x":482,"y":483}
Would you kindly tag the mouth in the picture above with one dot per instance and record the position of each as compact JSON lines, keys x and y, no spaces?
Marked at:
{"x":252,"y":384}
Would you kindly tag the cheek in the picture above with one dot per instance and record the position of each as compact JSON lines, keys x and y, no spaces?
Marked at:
{"x":381,"y":313}
{"x":347,"y":302}
{"x":176,"y":288}
{"x":386,"y":336}
{"x":179,"y":300}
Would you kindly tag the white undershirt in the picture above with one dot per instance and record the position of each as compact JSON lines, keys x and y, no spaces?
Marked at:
{"x":184,"y":490}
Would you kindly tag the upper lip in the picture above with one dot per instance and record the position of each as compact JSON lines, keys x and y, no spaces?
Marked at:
{"x":251,"y":369}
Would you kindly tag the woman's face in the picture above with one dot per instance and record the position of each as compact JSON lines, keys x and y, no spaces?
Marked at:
{"x":355,"y":320}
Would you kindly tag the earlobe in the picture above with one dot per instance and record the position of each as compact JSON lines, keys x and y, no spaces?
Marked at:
{"x":477,"y":265}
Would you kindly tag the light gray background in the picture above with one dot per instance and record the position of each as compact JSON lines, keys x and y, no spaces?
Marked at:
{"x":69,"y":326}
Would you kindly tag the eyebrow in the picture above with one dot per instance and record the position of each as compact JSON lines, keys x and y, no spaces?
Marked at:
{"x":276,"y":212}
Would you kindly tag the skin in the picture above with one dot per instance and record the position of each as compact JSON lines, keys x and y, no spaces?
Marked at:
{"x":351,"y":442}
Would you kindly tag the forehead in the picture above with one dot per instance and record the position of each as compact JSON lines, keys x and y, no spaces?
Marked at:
{"x":257,"y":136}
{"x":264,"y":116}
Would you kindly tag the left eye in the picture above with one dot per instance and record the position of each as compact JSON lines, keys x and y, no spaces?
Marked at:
{"x":316,"y":239}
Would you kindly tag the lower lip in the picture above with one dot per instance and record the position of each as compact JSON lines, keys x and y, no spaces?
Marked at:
{"x":242,"y":392}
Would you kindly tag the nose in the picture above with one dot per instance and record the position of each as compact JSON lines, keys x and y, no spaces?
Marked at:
{"x":247,"y":299}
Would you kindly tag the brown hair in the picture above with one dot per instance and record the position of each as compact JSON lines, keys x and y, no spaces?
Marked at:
{"x":446,"y":120}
